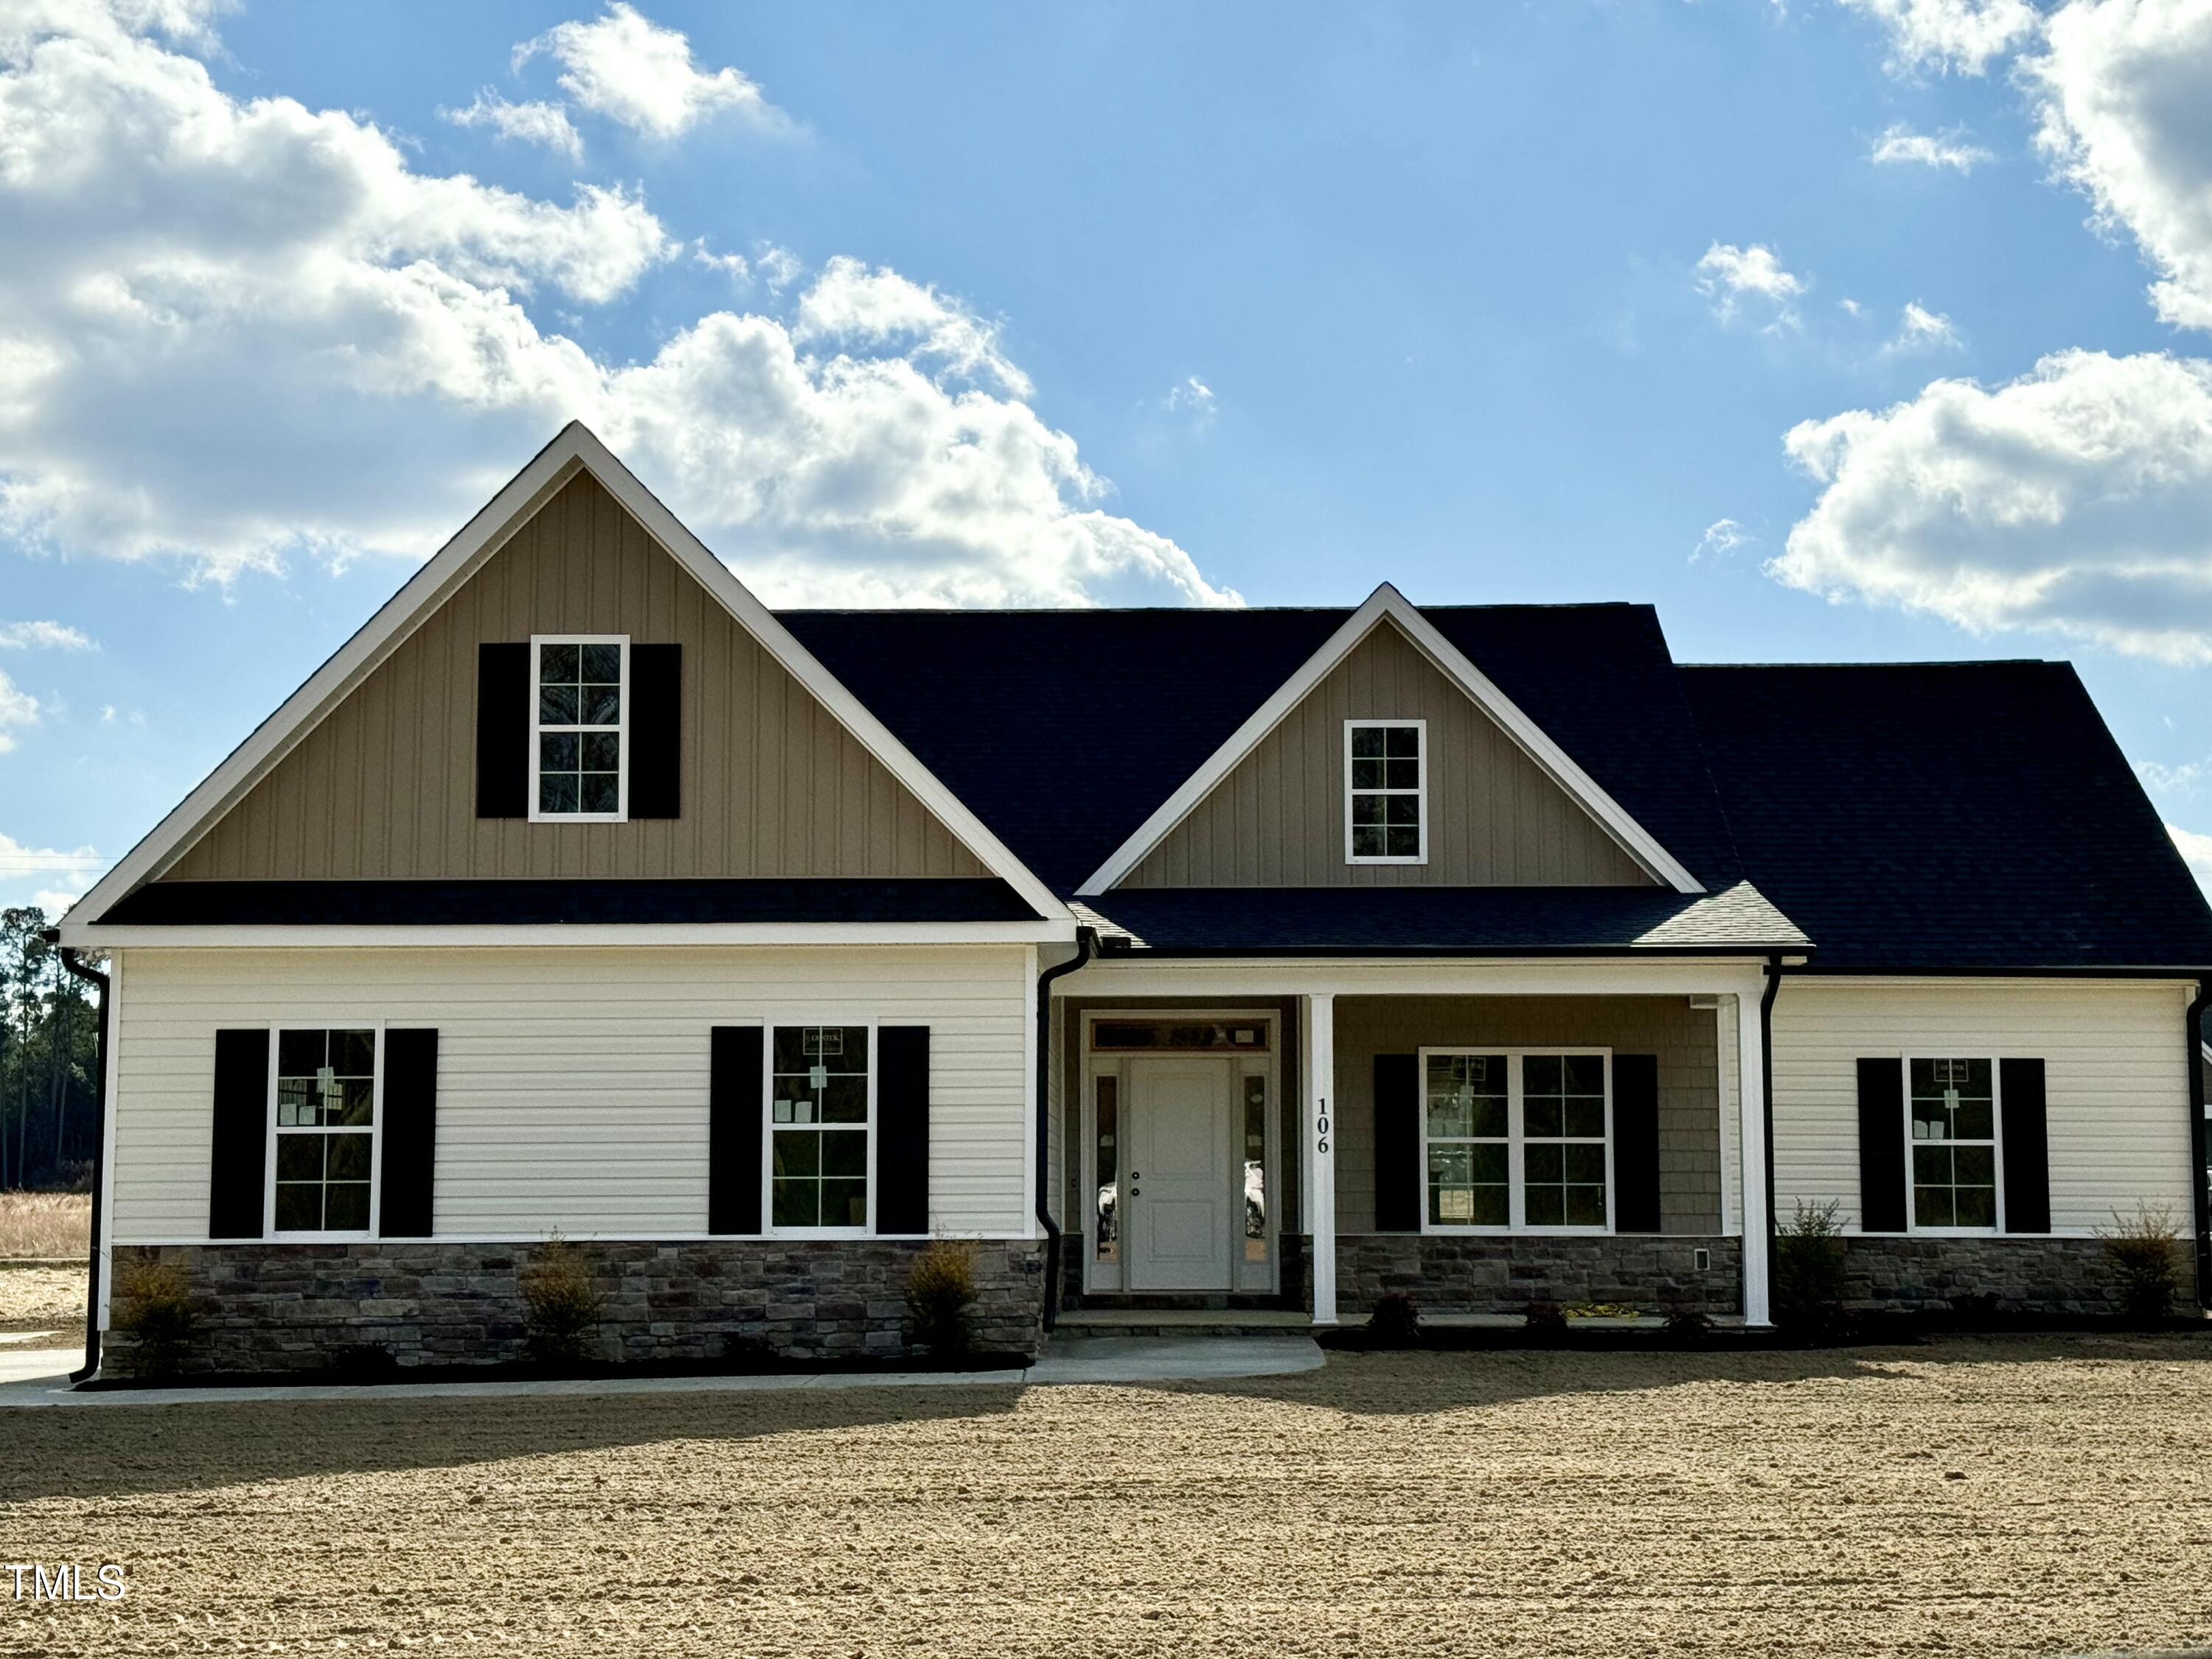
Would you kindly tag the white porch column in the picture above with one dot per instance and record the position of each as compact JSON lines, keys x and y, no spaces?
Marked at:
{"x":1751,"y":1094}
{"x":1317,"y":1030}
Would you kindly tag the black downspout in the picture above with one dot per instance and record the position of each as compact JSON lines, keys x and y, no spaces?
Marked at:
{"x":1766,"y":1108}
{"x":2202,"y":1204}
{"x":1084,"y":939}
{"x":94,"y":976}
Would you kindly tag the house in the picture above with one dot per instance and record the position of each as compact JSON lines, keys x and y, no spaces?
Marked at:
{"x":1236,"y":959}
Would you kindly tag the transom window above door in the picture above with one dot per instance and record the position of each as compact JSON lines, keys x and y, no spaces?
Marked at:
{"x":1386,"y":792}
{"x":580,"y":728}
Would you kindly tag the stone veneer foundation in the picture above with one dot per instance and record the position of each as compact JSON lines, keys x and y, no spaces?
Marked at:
{"x":290,"y":1307}
{"x":2026,"y":1273}
{"x":1472,"y":1274}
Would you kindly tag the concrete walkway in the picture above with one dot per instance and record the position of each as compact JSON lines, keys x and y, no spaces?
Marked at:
{"x":41,"y":1378}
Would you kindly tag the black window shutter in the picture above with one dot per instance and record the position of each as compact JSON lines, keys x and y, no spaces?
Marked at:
{"x":1882,"y":1146}
{"x":409,"y":1166}
{"x":504,"y":731}
{"x":1636,"y":1143}
{"x":2027,"y":1147}
{"x":903,"y":1129}
{"x":736,"y":1101}
{"x":240,"y":1150}
{"x":656,"y":731}
{"x":1398,"y":1187}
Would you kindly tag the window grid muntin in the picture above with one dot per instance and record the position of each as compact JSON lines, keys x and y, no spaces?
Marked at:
{"x":323,"y":1123}
{"x":821,"y":1127}
{"x":1517,"y":1141}
{"x":1943,"y":1096}
{"x":562,"y":729}
{"x":1386,"y":811}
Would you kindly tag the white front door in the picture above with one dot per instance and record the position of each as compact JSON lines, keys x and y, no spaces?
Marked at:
{"x":1178,"y":1212}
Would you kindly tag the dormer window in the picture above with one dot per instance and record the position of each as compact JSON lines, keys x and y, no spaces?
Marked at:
{"x":580,"y":728}
{"x":1386,"y":801}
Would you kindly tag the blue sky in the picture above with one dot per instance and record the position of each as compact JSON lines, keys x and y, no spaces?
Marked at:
{"x":1854,"y":328}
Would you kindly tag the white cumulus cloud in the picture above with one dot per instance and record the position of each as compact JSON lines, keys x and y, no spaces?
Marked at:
{"x":1899,"y":146}
{"x":1722,"y":537}
{"x":2196,"y":851}
{"x":46,"y":636}
{"x":2077,"y":499}
{"x":1728,"y":275}
{"x":2124,"y":91}
{"x":231,"y":331}
{"x":1919,"y":329}
{"x":634,"y":71}
{"x":1945,"y":35}
{"x":1193,"y":397}
{"x":532,"y":122}
{"x":25,"y":869}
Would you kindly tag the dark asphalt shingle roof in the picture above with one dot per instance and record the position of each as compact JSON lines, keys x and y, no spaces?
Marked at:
{"x":1947,"y":815}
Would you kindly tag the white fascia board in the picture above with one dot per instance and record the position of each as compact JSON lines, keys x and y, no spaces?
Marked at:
{"x":581,"y":935}
{"x":1388,"y":602}
{"x":575,"y":447}
{"x":1124,"y":977}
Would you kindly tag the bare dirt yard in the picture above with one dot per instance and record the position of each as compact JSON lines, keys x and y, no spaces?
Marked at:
{"x":1979,"y":1496}
{"x":45,"y":1238}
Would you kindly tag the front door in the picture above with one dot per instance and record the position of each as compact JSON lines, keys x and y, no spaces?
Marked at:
{"x":1178,"y":1224}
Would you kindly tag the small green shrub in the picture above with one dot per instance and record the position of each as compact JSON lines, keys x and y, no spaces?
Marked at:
{"x":940,"y":1299}
{"x":2145,"y":1249}
{"x":560,"y":1304}
{"x":1546,"y":1320}
{"x":153,"y":1308}
{"x":1395,"y":1321}
{"x":1808,"y":1270}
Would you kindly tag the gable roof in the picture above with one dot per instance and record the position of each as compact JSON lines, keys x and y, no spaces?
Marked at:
{"x":574,"y":449}
{"x":1066,"y":729}
{"x":1947,"y":816}
{"x":1386,"y":607}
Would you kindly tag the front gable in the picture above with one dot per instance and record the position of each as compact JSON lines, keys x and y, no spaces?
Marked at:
{"x":1504,"y":805}
{"x":1493,"y":818}
{"x":773,"y":785}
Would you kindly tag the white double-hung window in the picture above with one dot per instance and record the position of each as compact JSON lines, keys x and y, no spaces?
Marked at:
{"x":323,"y":1132}
{"x":821,"y":1120}
{"x":1516,"y":1140}
{"x":580,"y":728}
{"x":1952,"y":1114}
{"x":1386,"y":792}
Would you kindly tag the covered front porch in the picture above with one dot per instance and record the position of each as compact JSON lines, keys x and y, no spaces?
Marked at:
{"x":1304,"y":1137}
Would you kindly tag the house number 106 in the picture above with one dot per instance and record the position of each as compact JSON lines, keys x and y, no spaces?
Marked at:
{"x":1321,"y":1131}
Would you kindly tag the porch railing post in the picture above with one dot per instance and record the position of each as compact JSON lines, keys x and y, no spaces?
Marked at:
{"x":1319,"y":1027}
{"x":1750,"y":1102}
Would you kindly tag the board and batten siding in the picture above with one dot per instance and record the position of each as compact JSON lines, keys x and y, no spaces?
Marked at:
{"x":2115,"y":1077}
{"x":773,"y":785}
{"x":573,"y":1085}
{"x":1495,"y":817}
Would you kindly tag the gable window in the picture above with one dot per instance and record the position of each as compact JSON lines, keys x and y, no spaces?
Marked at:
{"x":324,"y":1125}
{"x":1517,"y":1141}
{"x":821,"y":1113}
{"x":580,"y":728}
{"x":1952,"y":1108}
{"x":1386,"y":792}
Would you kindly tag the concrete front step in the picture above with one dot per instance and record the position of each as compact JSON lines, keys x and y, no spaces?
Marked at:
{"x":1181,"y":1321}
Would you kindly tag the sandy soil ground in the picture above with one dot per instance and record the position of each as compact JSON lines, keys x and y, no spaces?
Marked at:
{"x":1994,"y":1496}
{"x":37,"y":1299}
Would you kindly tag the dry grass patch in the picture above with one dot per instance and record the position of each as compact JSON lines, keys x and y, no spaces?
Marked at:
{"x":45,"y":1224}
{"x":1994,"y":1496}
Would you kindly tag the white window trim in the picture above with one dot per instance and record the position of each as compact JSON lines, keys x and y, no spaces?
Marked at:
{"x":1420,"y":792}
{"x":1516,"y":1140}
{"x":621,"y":815}
{"x":375,"y":1136}
{"x":1996,"y":1146}
{"x":769,"y":1029}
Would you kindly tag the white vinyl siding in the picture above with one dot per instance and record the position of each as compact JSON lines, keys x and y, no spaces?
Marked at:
{"x":572,"y":1084}
{"x":2116,"y":1086}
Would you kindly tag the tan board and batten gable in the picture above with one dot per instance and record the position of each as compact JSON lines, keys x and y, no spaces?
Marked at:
{"x":384,"y":788}
{"x":1496,"y":818}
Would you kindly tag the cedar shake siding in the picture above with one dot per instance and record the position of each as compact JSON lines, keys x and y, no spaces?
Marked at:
{"x":385,"y":787}
{"x":1495,"y":818}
